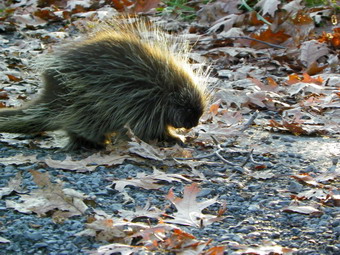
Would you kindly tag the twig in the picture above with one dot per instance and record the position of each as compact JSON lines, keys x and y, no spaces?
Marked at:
{"x":252,"y":159}
{"x":246,"y":38}
{"x":248,"y":158}
{"x":250,"y":121}
{"x":219,"y":147}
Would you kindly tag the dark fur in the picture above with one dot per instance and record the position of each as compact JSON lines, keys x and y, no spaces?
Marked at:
{"x":115,"y":78}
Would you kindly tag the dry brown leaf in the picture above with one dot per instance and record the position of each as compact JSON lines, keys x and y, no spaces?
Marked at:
{"x":272,"y":85}
{"x":145,"y":5}
{"x":149,"y":181}
{"x":28,"y":20}
{"x":14,"y":185}
{"x":143,"y":149}
{"x":268,"y":6}
{"x":19,"y":159}
{"x":217,"y":250}
{"x":312,"y":50}
{"x":226,"y":22}
{"x":332,"y":200}
{"x":306,"y":178}
{"x":117,"y":248}
{"x":303,"y":209}
{"x":262,"y":174}
{"x":13,"y":78}
{"x":169,"y":238}
{"x":87,"y":164}
{"x":212,"y":11}
{"x":268,"y":247}
{"x":161,"y":237}
{"x":328,"y":176}
{"x":270,"y":37}
{"x":189,"y":211}
{"x":142,"y":181}
{"x":112,"y":230}
{"x":4,"y":240}
{"x":50,"y":197}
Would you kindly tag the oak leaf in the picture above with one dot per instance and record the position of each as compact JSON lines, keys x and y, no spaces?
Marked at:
{"x":189,"y":211}
{"x":14,"y":185}
{"x":270,"y":37}
{"x":268,"y":6}
{"x":88,"y":164}
{"x":303,"y":209}
{"x":50,"y":198}
{"x":4,"y":240}
{"x":149,"y":181}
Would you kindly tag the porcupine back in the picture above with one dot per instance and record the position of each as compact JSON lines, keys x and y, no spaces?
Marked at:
{"x":126,"y":75}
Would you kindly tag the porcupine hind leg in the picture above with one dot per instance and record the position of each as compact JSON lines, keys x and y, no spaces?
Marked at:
{"x":77,"y":142}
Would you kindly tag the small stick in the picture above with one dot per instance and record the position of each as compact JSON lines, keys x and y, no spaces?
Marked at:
{"x":247,"y":38}
{"x":220,"y":149}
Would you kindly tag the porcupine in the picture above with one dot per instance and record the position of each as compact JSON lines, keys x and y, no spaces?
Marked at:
{"x":127,"y":75}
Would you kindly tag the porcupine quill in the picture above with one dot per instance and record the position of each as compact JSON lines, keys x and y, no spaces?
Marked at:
{"x":129,"y":74}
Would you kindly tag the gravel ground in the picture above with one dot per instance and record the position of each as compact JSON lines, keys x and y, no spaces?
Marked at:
{"x":254,"y":206}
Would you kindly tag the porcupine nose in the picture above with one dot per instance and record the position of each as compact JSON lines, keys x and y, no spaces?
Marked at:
{"x":191,"y":124}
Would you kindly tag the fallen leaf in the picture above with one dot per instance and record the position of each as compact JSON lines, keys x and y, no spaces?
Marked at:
{"x":19,"y":159}
{"x":88,"y":164}
{"x":266,"y":248}
{"x":310,"y":210}
{"x":262,"y":174}
{"x":4,"y":240}
{"x":268,"y":6}
{"x":149,"y":181}
{"x":189,"y":211}
{"x":14,"y":185}
{"x":311,"y":51}
{"x":50,"y":197}
{"x":270,"y":37}
{"x":143,"y":149}
{"x":306,"y":178}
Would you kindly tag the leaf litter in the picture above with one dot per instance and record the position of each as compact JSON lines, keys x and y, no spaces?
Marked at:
{"x":295,"y":78}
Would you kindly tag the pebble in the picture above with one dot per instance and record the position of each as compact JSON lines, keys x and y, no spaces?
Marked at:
{"x":40,"y":245}
{"x":254,"y":208}
{"x":295,"y":187}
{"x":204,"y":192}
{"x":288,"y":139}
{"x":35,"y":236}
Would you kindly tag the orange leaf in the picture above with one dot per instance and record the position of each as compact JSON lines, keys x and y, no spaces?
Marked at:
{"x":13,"y":78}
{"x":217,"y":250}
{"x":255,"y":21}
{"x":302,"y":19}
{"x":120,"y":5}
{"x":314,"y":68}
{"x":293,"y":78}
{"x":272,"y":82}
{"x":306,"y":178}
{"x":145,"y":5}
{"x":214,"y":108}
{"x":308,"y":79}
{"x":332,"y":38}
{"x":3,"y":95}
{"x":274,"y":123}
{"x":294,"y":128}
{"x":270,"y":37}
